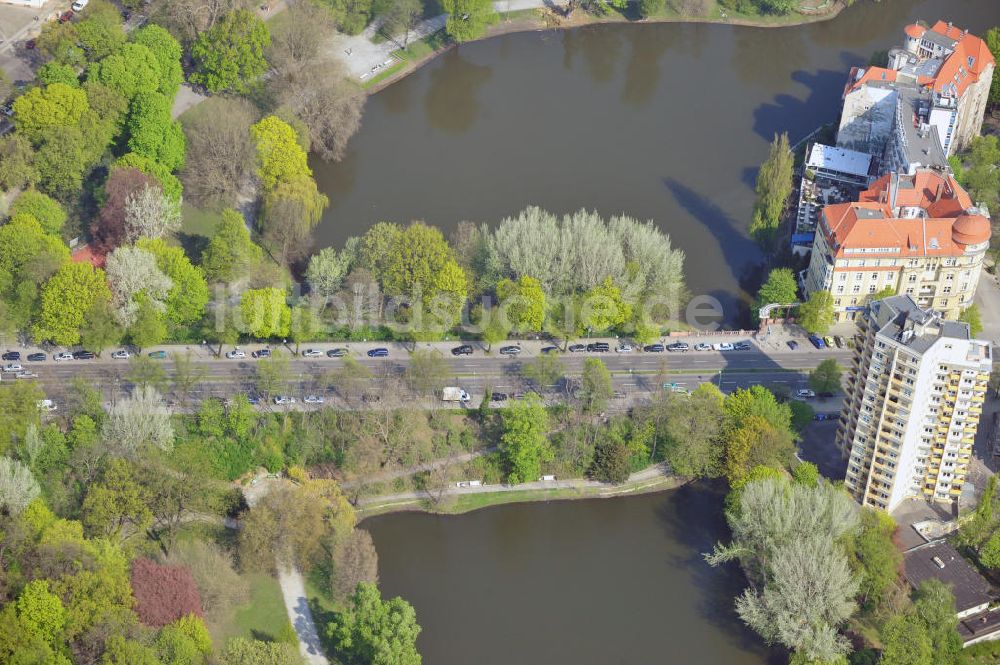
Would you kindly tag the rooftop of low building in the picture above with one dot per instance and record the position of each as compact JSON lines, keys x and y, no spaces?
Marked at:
{"x":939,"y":560}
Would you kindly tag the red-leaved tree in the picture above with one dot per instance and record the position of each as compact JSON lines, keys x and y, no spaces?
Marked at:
{"x":108,"y":229}
{"x":163,"y":593}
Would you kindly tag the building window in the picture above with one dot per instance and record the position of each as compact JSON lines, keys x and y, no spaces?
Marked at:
{"x":857,"y":288}
{"x":871,"y":289}
{"x":912,"y":279}
{"x":947,"y":289}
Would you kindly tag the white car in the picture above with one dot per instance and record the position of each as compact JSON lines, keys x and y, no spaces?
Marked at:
{"x":804,"y":393}
{"x":46,"y":405}
{"x":121,"y":354}
{"x":313,"y":399}
{"x":236,"y":353}
{"x":65,"y":355}
{"x":26,"y":375}
{"x":312,"y":353}
{"x":79,"y":5}
{"x":624,"y":348}
{"x":723,"y":346}
{"x":284,"y":399}
{"x":702,"y":346}
{"x":12,"y":367}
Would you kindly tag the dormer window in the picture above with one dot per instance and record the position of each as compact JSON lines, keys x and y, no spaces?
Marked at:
{"x":972,"y":61}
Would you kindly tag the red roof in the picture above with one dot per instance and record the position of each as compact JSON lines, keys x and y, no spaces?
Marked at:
{"x":86,"y":254}
{"x":956,"y":69}
{"x":863,"y":75}
{"x":915,"y":30}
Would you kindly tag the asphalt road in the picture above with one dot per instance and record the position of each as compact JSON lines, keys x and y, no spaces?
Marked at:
{"x":632,"y":373}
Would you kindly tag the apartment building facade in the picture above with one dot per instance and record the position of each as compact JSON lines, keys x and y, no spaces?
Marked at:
{"x":915,"y":396}
{"x":919,"y":235}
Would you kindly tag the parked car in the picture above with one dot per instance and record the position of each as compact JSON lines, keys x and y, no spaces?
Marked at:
{"x":577,"y":348}
{"x":792,"y":344}
{"x":253,"y":400}
{"x":510,"y":350}
{"x":13,"y":367}
{"x":839,"y":341}
{"x":380,"y":352}
{"x":654,"y":348}
{"x":742,"y":346}
{"x":336,"y":353}
{"x":30,"y":44}
{"x":236,"y":353}
{"x":499,"y":397}
{"x":79,"y":5}
{"x":804,"y":393}
{"x":65,"y":17}
{"x":36,"y":357}
{"x":83,"y":355}
{"x":825,"y":416}
{"x":121,"y":354}
{"x":313,"y":399}
{"x":723,"y":346}
{"x":679,"y":346}
{"x":312,"y":353}
{"x":261,"y":353}
{"x":25,"y":374}
{"x":65,"y":355}
{"x":46,"y":405}
{"x":624,"y":348}
{"x":817,"y":341}
{"x":283,"y":399}
{"x":598,"y":347}
{"x":11,"y":355}
{"x":463,"y":350}
{"x":550,"y":349}
{"x":829,"y":341}
{"x":157,"y":355}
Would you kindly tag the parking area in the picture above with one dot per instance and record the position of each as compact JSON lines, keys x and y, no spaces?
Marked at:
{"x":17,"y":25}
{"x":818,"y":446}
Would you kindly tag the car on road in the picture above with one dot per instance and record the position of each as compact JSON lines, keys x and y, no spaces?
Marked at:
{"x":679,"y":346}
{"x":336,"y":353}
{"x":654,"y":348}
{"x":702,"y":346}
{"x":598,"y":347}
{"x":121,"y":354}
{"x":283,"y":399}
{"x":723,"y":346}
{"x":46,"y":405}
{"x":550,"y":349}
{"x":236,"y":353}
{"x":25,"y":374}
{"x":510,"y":350}
{"x":370,"y":397}
{"x":83,"y":355}
{"x":742,"y":346}
{"x":313,"y":399}
{"x":13,"y":367}
{"x":817,"y":341}
{"x":157,"y":355}
{"x":463,"y":350}
{"x":79,"y":5}
{"x":804,"y":393}
{"x":36,"y":357}
{"x":65,"y":355}
{"x":792,"y":344}
{"x":624,"y":348}
{"x":312,"y":353}
{"x":499,"y":397}
{"x":826,"y":416}
{"x":577,"y":348}
{"x":380,"y":352}
{"x":261,"y":353}
{"x":11,"y":355}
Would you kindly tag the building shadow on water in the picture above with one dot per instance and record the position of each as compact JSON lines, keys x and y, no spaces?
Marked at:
{"x":798,"y":117}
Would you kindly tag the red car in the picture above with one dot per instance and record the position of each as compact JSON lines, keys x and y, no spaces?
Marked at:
{"x":65,"y":17}
{"x":30,"y":44}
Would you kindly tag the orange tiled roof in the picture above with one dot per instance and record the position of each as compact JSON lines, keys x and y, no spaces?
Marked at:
{"x":915,"y":30}
{"x":86,"y":254}
{"x":956,"y":69}
{"x":869,"y":75}
{"x":952,"y":202}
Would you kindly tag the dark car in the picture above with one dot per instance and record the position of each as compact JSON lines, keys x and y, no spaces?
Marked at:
{"x":742,"y":346}
{"x":550,"y":349}
{"x":817,"y":341}
{"x":792,"y":344}
{"x":500,"y":397}
{"x":336,"y":353}
{"x":464,"y":350}
{"x":83,"y":355}
{"x":36,"y":357}
{"x":577,"y":348}
{"x":11,"y":355}
{"x":65,"y":17}
{"x":598,"y":347}
{"x":370,"y":397}
{"x":679,"y":346}
{"x":157,"y":355}
{"x":654,"y":348}
{"x":839,"y":341}
{"x":30,"y":44}
{"x":261,"y":353}
{"x":509,"y":350}
{"x":380,"y":352}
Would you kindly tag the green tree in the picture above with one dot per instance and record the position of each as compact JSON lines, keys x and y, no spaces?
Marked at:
{"x":280,"y":157}
{"x":427,"y":372}
{"x":145,"y":372}
{"x":118,"y":506}
{"x":905,"y":642}
{"x":100,"y":330}
{"x":153,"y":133}
{"x":351,"y":16}
{"x":167,"y":52}
{"x":245,"y":651}
{"x":229,"y":56}
{"x":774,"y":186}
{"x":876,"y":557}
{"x":376,"y":631}
{"x":816,"y":314}
{"x":756,"y":442}
{"x":131,"y":69}
{"x":148,"y":329}
{"x":780,"y":287}
{"x":524,"y":441}
{"x":66,"y":299}
{"x":17,"y":162}
{"x":265,"y":313}
{"x":692,"y":431}
{"x":468,"y":19}
{"x":46,"y":210}
{"x":756,"y":401}
{"x":54,"y":72}
{"x":989,"y":555}
{"x":230,"y":254}
{"x":41,"y":612}
{"x":188,"y":296}
{"x":971,"y":316}
{"x":806,"y":473}
{"x":544,"y":370}
{"x":523,"y":301}
{"x":649,"y":8}
{"x":993,"y":44}
{"x":48,"y":107}
{"x":595,"y":384}
{"x":934,"y":606}
{"x":398,"y":16}
{"x":603,"y":308}
{"x":826,"y":377}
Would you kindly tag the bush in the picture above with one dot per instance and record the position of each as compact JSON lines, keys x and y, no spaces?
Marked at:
{"x":163,"y":593}
{"x":649,"y":8}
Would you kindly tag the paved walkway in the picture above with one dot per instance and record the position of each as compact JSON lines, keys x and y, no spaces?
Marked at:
{"x":988,"y":299}
{"x":293,"y":590}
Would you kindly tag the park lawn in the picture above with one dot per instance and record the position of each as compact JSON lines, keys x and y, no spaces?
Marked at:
{"x":199,"y":221}
{"x":263,"y":617}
